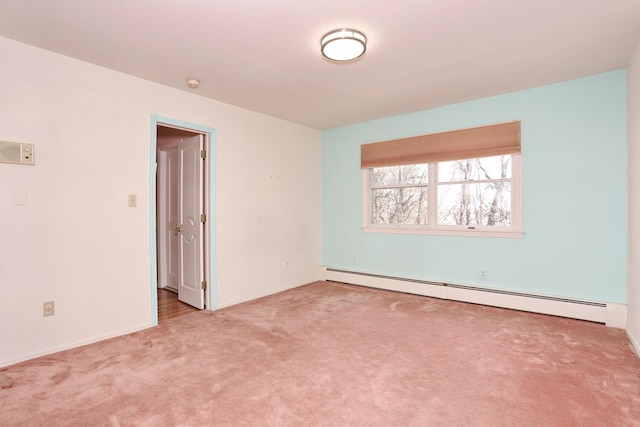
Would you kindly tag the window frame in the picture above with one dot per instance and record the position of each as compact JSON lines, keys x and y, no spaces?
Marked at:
{"x":514,"y":231}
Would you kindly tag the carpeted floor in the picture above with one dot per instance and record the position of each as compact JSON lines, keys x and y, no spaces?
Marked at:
{"x":329,"y":354}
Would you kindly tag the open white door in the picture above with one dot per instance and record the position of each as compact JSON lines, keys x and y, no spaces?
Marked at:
{"x":191,"y":250}
{"x":167,"y":218}
{"x":172,"y":244}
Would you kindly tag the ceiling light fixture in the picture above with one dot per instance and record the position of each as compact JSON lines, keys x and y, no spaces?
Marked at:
{"x":343,"y":45}
{"x":193,"y":83}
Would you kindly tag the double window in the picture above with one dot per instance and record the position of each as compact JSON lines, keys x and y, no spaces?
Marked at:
{"x":457,"y":195}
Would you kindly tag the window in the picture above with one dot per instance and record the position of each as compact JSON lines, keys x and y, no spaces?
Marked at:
{"x":464,"y":182}
{"x":399,"y":194}
{"x":479,"y":195}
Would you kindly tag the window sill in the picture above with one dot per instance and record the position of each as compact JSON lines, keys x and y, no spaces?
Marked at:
{"x":510,"y":234}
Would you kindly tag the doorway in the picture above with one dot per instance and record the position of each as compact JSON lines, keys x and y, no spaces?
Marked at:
{"x":182,"y":213}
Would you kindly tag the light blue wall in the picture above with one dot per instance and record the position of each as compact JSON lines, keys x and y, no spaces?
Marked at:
{"x":574,"y":145}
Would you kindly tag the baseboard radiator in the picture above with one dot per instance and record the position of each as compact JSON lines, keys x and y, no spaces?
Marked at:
{"x":614,"y":315}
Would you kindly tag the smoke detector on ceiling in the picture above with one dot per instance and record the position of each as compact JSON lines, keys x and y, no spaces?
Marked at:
{"x":193,"y":83}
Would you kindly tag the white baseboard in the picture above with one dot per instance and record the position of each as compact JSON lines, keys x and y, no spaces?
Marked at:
{"x":254,"y":297}
{"x":614,"y":315}
{"x":68,"y":346}
{"x":634,"y":343}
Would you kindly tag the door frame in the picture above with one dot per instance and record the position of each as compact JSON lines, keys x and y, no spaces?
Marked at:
{"x":209,"y":209}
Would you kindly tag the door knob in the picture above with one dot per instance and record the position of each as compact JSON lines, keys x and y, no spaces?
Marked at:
{"x":177,"y":230}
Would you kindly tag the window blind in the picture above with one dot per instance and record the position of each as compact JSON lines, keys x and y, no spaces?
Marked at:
{"x":484,"y":141}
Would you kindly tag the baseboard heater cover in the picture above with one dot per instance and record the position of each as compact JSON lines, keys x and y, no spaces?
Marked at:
{"x":610,"y":314}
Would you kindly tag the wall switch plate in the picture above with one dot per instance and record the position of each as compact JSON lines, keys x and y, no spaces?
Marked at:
{"x":133,"y":200}
{"x":48,"y":308}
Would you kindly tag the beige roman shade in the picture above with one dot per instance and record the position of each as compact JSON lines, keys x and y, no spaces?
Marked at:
{"x":484,"y":141}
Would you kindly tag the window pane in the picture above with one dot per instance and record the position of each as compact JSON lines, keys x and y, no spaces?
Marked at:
{"x":485,"y":168}
{"x":487,"y":204}
{"x":394,"y":175}
{"x":399,"y":206}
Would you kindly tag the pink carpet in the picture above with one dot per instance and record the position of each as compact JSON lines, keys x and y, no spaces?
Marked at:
{"x":337,"y":355}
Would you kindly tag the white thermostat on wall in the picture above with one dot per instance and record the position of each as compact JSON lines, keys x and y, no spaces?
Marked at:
{"x":16,"y":152}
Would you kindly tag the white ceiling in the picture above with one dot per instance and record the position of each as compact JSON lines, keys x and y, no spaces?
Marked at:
{"x":264,"y":55}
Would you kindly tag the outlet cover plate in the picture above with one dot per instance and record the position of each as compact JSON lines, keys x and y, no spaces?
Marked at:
{"x":48,"y":308}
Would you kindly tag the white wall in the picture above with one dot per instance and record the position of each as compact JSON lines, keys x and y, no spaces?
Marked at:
{"x":77,"y":242}
{"x":633,"y":108}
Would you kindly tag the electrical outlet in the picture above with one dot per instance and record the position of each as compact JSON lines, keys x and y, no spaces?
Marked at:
{"x":48,"y":308}
{"x":483,"y":274}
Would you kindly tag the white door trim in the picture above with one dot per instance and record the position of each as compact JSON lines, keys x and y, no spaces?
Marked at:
{"x":209,"y":208}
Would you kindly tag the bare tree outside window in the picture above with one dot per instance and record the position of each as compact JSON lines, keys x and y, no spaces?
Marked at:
{"x":467,"y":193}
{"x":399,"y":195}
{"x":475,"y":192}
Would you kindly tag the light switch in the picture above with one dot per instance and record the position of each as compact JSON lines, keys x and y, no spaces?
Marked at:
{"x":19,"y":197}
{"x":27,"y":154}
{"x":133,"y":200}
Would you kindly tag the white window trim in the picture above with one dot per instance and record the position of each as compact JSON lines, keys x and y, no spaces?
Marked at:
{"x":515,"y":231}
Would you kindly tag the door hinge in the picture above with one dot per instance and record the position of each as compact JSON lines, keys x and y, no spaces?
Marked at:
{"x":203,"y":285}
{"x":203,"y":154}
{"x":203,"y":218}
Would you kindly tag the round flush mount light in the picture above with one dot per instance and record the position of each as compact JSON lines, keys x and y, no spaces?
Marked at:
{"x":343,"y":45}
{"x":193,"y":83}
